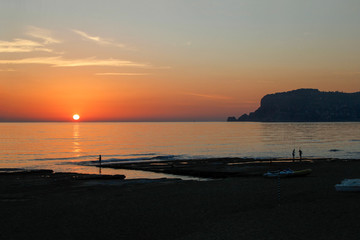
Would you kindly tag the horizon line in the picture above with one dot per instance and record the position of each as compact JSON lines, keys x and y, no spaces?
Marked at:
{"x":38,"y":121}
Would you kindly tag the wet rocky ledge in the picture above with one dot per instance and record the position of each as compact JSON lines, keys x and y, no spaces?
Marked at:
{"x":218,"y":167}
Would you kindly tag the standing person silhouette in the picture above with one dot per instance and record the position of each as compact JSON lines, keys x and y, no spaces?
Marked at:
{"x":293,"y":155}
{"x":100,"y":164}
{"x":300,"y":154}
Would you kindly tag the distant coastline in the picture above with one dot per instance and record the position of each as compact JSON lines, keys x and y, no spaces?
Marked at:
{"x":305,"y":105}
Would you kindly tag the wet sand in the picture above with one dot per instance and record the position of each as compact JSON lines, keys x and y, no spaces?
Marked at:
{"x":65,"y":206}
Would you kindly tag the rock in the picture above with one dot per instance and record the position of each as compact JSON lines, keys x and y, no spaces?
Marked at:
{"x":306,"y":105}
{"x":231,"y":119}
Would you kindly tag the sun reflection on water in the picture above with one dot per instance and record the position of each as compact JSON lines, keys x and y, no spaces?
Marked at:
{"x":76,"y":140}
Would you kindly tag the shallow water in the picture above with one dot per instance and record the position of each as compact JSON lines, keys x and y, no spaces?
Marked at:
{"x":72,"y":146}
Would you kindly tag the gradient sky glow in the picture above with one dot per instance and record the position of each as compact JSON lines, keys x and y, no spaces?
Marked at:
{"x":161,"y":60}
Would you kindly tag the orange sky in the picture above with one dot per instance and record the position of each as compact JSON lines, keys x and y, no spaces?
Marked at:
{"x":169,"y":60}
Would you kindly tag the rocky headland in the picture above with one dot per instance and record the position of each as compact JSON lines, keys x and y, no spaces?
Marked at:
{"x":306,"y":105}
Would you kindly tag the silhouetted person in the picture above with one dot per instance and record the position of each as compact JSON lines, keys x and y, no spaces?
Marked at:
{"x":293,"y":154}
{"x":300,"y":154}
{"x":100,"y":164}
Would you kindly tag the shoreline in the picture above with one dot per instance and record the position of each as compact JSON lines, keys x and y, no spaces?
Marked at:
{"x":190,"y":169}
{"x":221,"y":167}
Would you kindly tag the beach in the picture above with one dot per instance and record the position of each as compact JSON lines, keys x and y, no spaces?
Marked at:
{"x":43,"y":205}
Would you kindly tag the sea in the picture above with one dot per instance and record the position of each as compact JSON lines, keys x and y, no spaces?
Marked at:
{"x":76,"y":146}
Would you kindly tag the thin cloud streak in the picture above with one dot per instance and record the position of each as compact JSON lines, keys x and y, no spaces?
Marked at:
{"x":209,"y":96}
{"x":19,"y":45}
{"x":97,"y":39}
{"x":43,"y":34}
{"x":60,"y":62}
{"x":347,"y":73}
{"x":121,"y":74}
{"x":22,"y":45}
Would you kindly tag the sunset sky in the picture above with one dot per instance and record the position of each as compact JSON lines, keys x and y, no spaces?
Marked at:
{"x":169,"y":60}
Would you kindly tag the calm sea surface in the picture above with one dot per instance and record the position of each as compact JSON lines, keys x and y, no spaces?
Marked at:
{"x":70,"y":146}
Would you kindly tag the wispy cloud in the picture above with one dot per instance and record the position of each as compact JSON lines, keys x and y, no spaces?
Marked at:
{"x":121,"y":74}
{"x":43,"y":34}
{"x":349,"y":73}
{"x":98,"y":39}
{"x":7,"y":70}
{"x":61,"y":62}
{"x":22,"y":45}
{"x":209,"y":96}
{"x":262,"y":81}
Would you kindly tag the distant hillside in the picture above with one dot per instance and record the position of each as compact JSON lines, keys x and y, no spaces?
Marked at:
{"x":306,"y":105}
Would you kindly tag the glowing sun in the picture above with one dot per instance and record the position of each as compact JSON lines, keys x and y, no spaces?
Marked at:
{"x":76,"y":117}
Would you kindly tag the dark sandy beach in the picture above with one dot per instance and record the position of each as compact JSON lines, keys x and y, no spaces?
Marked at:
{"x":68,"y":206}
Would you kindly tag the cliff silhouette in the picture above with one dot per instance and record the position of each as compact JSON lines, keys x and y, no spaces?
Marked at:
{"x":306,"y":105}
